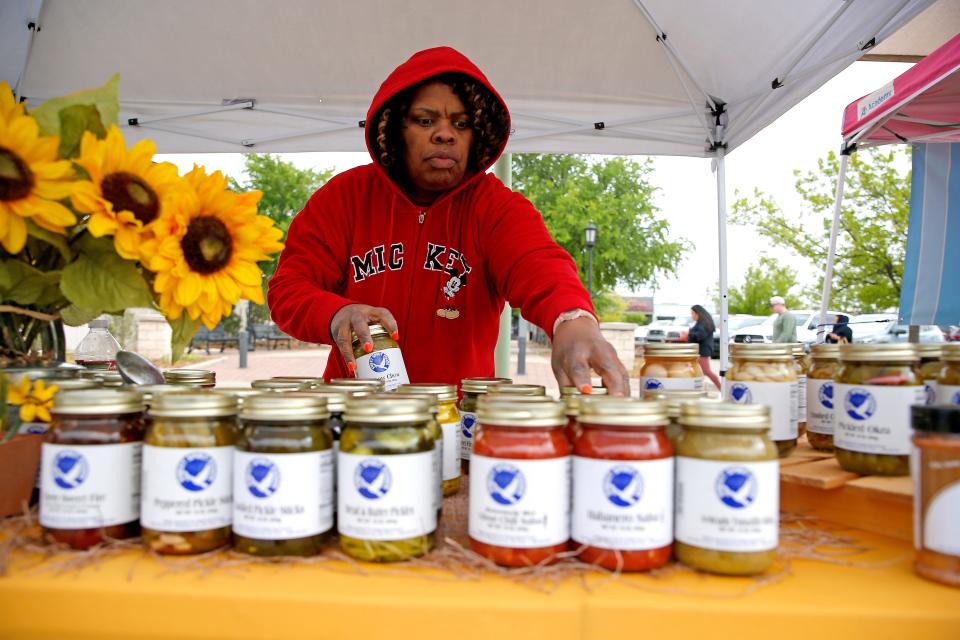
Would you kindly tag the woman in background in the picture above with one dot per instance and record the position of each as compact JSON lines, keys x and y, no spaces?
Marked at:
{"x":702,"y":334}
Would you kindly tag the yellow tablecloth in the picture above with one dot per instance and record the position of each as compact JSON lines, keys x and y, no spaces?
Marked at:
{"x":133,"y":596}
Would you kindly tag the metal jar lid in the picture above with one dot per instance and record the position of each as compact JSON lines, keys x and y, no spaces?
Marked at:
{"x":98,"y":402}
{"x":72,"y":384}
{"x":929,"y":350}
{"x":369,"y":383}
{"x":725,"y":416}
{"x":671,"y":350}
{"x":429,"y":397}
{"x":285,"y":407}
{"x":510,"y":389}
{"x":376,"y":331}
{"x":189,"y":377}
{"x":511,"y":413}
{"x":572,"y":398}
{"x":898,"y":352}
{"x":336,"y":398}
{"x":479,"y":385}
{"x":271,"y":384}
{"x":443,"y":392}
{"x":150,"y":391}
{"x":825,"y":351}
{"x":387,"y":411}
{"x":798,"y":349}
{"x":761,"y":351}
{"x":110,"y":379}
{"x":674,"y":398}
{"x":950,"y":352}
{"x":192,"y":403}
{"x":623,"y":412}
{"x":936,"y":419}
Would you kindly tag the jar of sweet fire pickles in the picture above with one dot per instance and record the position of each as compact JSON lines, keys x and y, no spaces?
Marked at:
{"x":671,"y":366}
{"x":930,"y":364}
{"x":766,"y":374}
{"x":386,"y":484}
{"x":90,"y":468}
{"x":948,"y":384}
{"x":449,"y":421}
{"x":570,"y":397}
{"x":623,"y":484}
{"x":875,"y":387}
{"x":283,"y":475}
{"x":674,"y":399}
{"x":802,"y":366}
{"x":187,"y":493}
{"x":727,"y":489}
{"x":520,"y":485}
{"x":820,"y":395}
{"x":383,"y":362}
{"x":191,"y":378}
{"x":472,"y":389}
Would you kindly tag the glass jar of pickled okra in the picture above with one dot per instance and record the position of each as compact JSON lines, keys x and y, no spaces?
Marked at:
{"x":802,"y":367}
{"x":674,"y":398}
{"x":570,"y":397}
{"x":186,"y":503}
{"x":367,"y":385}
{"x":727,"y":489}
{"x":384,"y":362}
{"x":386,"y":482}
{"x":671,"y":366}
{"x":283,"y":475}
{"x":948,"y":383}
{"x":90,"y":468}
{"x":623,"y":484}
{"x":191,"y":378}
{"x":472,"y":389}
{"x":873,"y":393}
{"x":510,"y":389}
{"x":766,"y":374}
{"x":449,"y":420}
{"x":930,"y":364}
{"x":820,"y":395}
{"x":520,"y":486}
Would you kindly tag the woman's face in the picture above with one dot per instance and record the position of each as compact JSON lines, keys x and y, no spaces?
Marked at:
{"x":694,"y":315}
{"x":437,"y":134}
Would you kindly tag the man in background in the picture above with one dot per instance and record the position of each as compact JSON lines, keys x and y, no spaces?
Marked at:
{"x":785,"y":326}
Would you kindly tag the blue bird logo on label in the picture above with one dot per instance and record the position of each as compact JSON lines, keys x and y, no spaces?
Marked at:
{"x":740,"y":393}
{"x":467,"y":425}
{"x":263,"y":478}
{"x":196,"y":471}
{"x":372,"y":479}
{"x":859,"y":404}
{"x":379,"y":362}
{"x":506,"y":484}
{"x":826,"y":395}
{"x":956,"y":398}
{"x":653,"y":383}
{"x":70,"y":469}
{"x":930,"y":393}
{"x":623,"y":486}
{"x":736,"y":487}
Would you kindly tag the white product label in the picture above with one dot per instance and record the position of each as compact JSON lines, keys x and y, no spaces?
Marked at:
{"x":781,"y":397}
{"x":948,"y":394}
{"x":468,"y":422}
{"x":89,"y":486}
{"x":802,"y":398}
{"x":623,"y":504}
{"x":451,"y":450}
{"x":386,"y":497}
{"x":187,"y":489}
{"x":386,"y":365}
{"x":647,"y":382}
{"x":820,"y":394}
{"x":728,"y":506}
{"x":281,"y":496}
{"x":941,"y":524}
{"x":874,"y":419}
{"x":522,"y":504}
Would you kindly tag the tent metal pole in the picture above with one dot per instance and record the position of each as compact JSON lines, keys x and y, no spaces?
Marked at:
{"x":26,"y":58}
{"x":501,"y":355}
{"x":141,"y":120}
{"x":832,"y":251}
{"x":722,"y":233}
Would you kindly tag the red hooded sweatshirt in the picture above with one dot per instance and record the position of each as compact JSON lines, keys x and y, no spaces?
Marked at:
{"x":360,"y":239}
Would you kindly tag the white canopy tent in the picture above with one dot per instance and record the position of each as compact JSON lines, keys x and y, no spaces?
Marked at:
{"x":652,"y":77}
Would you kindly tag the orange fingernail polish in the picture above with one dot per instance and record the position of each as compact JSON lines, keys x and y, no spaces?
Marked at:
{"x":351,"y":367}
{"x":395,"y":335}
{"x":586,"y":389}
{"x":368,"y":346}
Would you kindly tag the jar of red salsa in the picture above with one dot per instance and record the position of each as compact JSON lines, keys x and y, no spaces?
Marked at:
{"x":623,"y":484}
{"x":520,"y":487}
{"x":570,"y":397}
{"x":90,"y":469}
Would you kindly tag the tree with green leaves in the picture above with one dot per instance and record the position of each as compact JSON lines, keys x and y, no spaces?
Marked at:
{"x":868,"y":271}
{"x":764,"y":279}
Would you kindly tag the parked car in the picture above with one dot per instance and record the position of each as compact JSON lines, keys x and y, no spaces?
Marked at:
{"x":670,"y":332}
{"x":882,"y":328}
{"x":640,"y":333}
{"x":807,"y":321}
{"x":734,"y":323}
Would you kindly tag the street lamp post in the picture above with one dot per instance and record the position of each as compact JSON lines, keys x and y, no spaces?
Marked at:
{"x":591,"y":237}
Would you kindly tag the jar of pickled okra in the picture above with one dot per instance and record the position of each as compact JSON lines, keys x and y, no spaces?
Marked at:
{"x":671,"y":366}
{"x":449,"y":420}
{"x":383,"y":362}
{"x":930,"y":364}
{"x":875,"y":388}
{"x":674,"y":398}
{"x":623,"y":484}
{"x":435,"y":432}
{"x":186,"y":504}
{"x":802,"y":366}
{"x":766,"y":374}
{"x":365,"y":385}
{"x":570,"y":397}
{"x":472,"y":389}
{"x":90,"y":467}
{"x":520,"y":482}
{"x":191,"y":378}
{"x":820,"y":395}
{"x":387,"y":487}
{"x":727,"y":489}
{"x":283,"y":475}
{"x":948,"y":383}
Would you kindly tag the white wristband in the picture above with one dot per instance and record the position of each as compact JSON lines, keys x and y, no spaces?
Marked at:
{"x":573,"y":314}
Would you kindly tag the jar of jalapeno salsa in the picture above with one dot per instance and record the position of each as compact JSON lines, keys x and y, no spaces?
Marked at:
{"x":875,"y":388}
{"x":191,"y":378}
{"x":384,"y":362}
{"x":472,"y":389}
{"x":671,"y":366}
{"x":948,"y":383}
{"x":930,"y":364}
{"x":766,"y":374}
{"x":187,"y":492}
{"x":283,"y":475}
{"x":90,"y":467}
{"x":449,"y":420}
{"x":520,"y":488}
{"x":386,"y":509}
{"x":820,"y":395}
{"x":570,"y":397}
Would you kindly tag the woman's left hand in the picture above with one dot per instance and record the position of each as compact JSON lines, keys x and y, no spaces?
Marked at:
{"x":578,"y":347}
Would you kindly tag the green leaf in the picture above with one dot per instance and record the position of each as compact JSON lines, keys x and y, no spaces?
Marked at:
{"x":74,"y":316}
{"x":100,"y":280}
{"x":105,"y":98}
{"x":74,"y":122}
{"x":55,"y":239}
{"x":183,"y":330}
{"x":25,"y":285}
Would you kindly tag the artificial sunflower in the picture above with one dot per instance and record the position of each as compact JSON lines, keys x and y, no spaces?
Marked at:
{"x":127,"y":191}
{"x":35,"y":400}
{"x":206,"y":249}
{"x":32,"y":178}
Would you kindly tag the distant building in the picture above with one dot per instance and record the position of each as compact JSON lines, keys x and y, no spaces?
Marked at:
{"x":639,"y":304}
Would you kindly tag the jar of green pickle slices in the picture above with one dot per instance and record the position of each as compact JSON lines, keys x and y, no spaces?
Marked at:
{"x":385,"y":501}
{"x":820,"y":395}
{"x":383,"y":361}
{"x":875,"y":387}
{"x":283,"y":475}
{"x":727,"y":489}
{"x":191,"y":378}
{"x":472,"y":389}
{"x":186,"y":502}
{"x":449,"y":420}
{"x":948,"y":384}
{"x":930,"y":365}
{"x":435,"y":432}
{"x":766,"y":374}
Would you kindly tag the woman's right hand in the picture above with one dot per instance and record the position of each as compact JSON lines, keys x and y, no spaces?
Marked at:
{"x":356,"y":318}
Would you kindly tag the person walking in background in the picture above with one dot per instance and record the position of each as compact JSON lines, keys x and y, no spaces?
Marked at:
{"x":785,"y":326}
{"x":842,"y":333}
{"x":702,"y":334}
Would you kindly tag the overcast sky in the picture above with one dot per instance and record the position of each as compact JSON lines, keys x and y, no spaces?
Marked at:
{"x":687,"y":194}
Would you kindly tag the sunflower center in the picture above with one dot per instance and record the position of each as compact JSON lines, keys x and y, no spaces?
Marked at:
{"x":129,"y":192}
{"x":16,"y":179}
{"x":207,"y":245}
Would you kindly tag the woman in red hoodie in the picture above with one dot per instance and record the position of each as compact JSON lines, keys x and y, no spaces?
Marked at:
{"x":429,"y":245}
